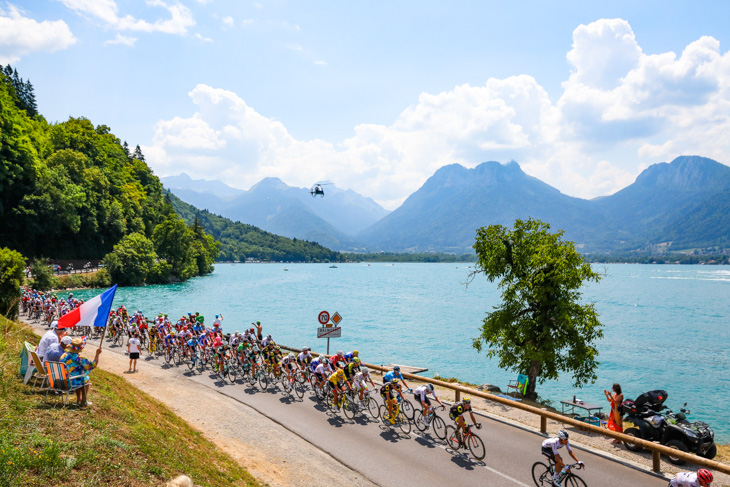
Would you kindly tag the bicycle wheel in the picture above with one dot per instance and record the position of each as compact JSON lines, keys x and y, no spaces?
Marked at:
{"x":541,"y":475}
{"x":252,"y":378}
{"x":348,"y":407}
{"x":168,"y":355}
{"x":263,"y":380}
{"x":403,"y":423}
{"x":178,"y":358}
{"x":451,"y":439}
{"x":407,"y":408}
{"x":476,"y":447}
{"x":232,"y":372}
{"x":439,"y":427}
{"x":191,"y":363}
{"x":300,"y":377}
{"x":199,"y":362}
{"x":383,"y":412}
{"x":573,"y":481}
{"x":299,"y":389}
{"x":372,"y":405}
{"x":419,"y":421}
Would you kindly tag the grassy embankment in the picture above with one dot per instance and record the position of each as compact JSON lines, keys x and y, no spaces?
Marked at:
{"x":126,"y":437}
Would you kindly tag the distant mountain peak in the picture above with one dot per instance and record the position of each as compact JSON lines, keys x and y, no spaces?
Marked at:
{"x":270,"y":184}
{"x":686,"y":173}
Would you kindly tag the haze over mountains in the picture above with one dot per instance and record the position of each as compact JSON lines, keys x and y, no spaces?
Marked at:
{"x":673,"y":206}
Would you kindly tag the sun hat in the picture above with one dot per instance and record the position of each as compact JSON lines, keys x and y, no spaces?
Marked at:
{"x":77,"y":344}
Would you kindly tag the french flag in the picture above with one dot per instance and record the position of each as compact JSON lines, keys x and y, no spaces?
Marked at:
{"x":93,"y":312}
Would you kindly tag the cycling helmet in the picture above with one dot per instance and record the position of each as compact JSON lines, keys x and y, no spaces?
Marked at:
{"x":305,"y":349}
{"x":704,"y":475}
{"x":355,"y":352}
{"x":396,"y":368}
{"x":563,"y":435}
{"x":365,"y":371}
{"x":268,"y":336}
{"x":356,"y":361}
{"x":394,"y":381}
{"x":340,"y":353}
{"x":291,"y":356}
{"x":277,"y":348}
{"x":467,"y":400}
{"x":430,"y":387}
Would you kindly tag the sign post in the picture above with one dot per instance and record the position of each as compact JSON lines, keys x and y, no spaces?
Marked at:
{"x":329,"y":330}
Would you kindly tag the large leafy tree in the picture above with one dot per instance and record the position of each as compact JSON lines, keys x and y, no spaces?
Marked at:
{"x":542,"y":327}
{"x":12,"y":266}
{"x":131,"y":260}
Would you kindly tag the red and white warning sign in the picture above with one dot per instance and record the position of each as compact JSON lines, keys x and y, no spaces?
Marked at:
{"x":323,"y":317}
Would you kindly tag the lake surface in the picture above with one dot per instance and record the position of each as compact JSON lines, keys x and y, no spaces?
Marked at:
{"x":666,"y":327}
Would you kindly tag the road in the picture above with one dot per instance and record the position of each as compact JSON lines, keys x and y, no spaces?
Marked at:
{"x":388,"y":457}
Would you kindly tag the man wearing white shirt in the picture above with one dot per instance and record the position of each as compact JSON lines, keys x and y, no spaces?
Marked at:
{"x":52,"y":336}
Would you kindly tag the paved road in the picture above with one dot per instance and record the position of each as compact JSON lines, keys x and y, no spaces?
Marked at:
{"x":388,"y":457}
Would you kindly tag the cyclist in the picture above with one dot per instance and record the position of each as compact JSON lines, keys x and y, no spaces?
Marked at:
{"x":388,"y":392}
{"x":322,"y":370}
{"x":702,"y":478}
{"x":304,"y":358}
{"x":550,"y":449}
{"x":286,"y":364}
{"x":359,"y":383}
{"x":336,"y":358}
{"x":337,"y":380}
{"x":351,"y":355}
{"x":350,"y":369}
{"x":421,"y":394}
{"x":395,"y":374}
{"x":456,"y":413}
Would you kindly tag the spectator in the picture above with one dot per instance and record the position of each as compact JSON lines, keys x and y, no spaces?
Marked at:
{"x":54,"y":352}
{"x":615,"y":421}
{"x":51,"y":337}
{"x":133,"y":348}
{"x":259,"y":332}
{"x":80,"y":366}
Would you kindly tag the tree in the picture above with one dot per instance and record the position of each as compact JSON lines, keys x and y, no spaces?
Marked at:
{"x":131,"y":260}
{"x":12,"y":267}
{"x":138,"y":154}
{"x":541,"y":328}
{"x":42,"y":274}
{"x":173,"y":242}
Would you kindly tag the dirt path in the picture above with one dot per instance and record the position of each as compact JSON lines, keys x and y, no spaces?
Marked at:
{"x":268,"y":451}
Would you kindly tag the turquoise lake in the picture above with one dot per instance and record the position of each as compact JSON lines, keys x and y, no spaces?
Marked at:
{"x":666,"y":327}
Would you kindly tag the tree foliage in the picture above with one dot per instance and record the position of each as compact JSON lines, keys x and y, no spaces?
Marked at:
{"x":12,"y":268}
{"x":42,"y":274}
{"x":541,"y":328}
{"x":131,"y":260}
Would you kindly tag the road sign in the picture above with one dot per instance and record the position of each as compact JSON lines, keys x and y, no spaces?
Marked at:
{"x":323,"y":317}
{"x":336,"y":318}
{"x":329,"y":332}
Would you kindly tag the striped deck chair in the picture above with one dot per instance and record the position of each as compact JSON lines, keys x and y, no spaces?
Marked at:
{"x":39,"y":374}
{"x":59,"y":381}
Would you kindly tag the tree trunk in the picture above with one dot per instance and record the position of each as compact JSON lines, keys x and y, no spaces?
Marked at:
{"x":532,"y":374}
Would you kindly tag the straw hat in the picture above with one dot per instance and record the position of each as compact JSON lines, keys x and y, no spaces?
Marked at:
{"x":77,"y":345}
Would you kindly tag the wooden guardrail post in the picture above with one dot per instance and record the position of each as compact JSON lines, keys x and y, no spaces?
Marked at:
{"x":543,"y":424}
{"x":457,"y":395}
{"x":655,"y":461}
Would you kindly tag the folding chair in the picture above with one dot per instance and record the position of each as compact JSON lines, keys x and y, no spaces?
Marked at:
{"x":520,"y":385}
{"x":39,"y":374}
{"x":58,"y":380}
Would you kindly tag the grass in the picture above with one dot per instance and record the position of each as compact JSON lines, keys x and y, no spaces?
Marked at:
{"x":127,"y":438}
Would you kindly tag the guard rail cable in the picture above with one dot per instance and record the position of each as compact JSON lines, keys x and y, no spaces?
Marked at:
{"x":655,"y":448}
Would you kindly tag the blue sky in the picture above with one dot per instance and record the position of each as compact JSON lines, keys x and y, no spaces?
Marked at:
{"x":375,"y":96}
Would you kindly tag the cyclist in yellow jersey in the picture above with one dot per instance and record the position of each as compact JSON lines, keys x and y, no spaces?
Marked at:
{"x":337,"y":380}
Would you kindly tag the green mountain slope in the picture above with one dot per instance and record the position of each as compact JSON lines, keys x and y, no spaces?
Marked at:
{"x":240,"y":241}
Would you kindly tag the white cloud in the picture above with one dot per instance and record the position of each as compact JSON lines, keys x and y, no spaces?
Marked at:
{"x":107,"y":11}
{"x":20,"y":35}
{"x":203,"y":38}
{"x":123,"y":40}
{"x":620,"y":110}
{"x":227,"y":21}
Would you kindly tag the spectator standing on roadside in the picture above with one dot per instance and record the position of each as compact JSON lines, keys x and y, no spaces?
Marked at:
{"x":615,"y":421}
{"x":259,"y":328}
{"x":133,"y":348}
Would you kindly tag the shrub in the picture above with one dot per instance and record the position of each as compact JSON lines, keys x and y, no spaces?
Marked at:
{"x":12,"y":267}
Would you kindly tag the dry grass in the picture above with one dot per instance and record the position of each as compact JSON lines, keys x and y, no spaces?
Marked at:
{"x":126,"y":437}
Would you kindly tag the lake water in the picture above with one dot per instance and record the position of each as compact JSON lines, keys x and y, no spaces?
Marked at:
{"x":666,"y":327}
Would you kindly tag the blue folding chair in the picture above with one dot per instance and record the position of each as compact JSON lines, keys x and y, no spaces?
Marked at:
{"x":520,"y":385}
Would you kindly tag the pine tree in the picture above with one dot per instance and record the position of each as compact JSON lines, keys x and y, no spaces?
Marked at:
{"x":125,"y":146}
{"x":138,"y":154}
{"x":30,"y":100}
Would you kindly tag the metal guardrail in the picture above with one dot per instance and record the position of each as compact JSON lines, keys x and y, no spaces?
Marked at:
{"x":656,"y":449}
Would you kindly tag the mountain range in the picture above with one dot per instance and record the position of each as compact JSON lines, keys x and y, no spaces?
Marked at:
{"x":673,"y":206}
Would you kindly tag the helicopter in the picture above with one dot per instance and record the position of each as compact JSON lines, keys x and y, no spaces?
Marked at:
{"x":317,"y":189}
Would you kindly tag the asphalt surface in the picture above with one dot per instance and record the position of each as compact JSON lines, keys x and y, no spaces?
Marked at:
{"x":388,"y":457}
